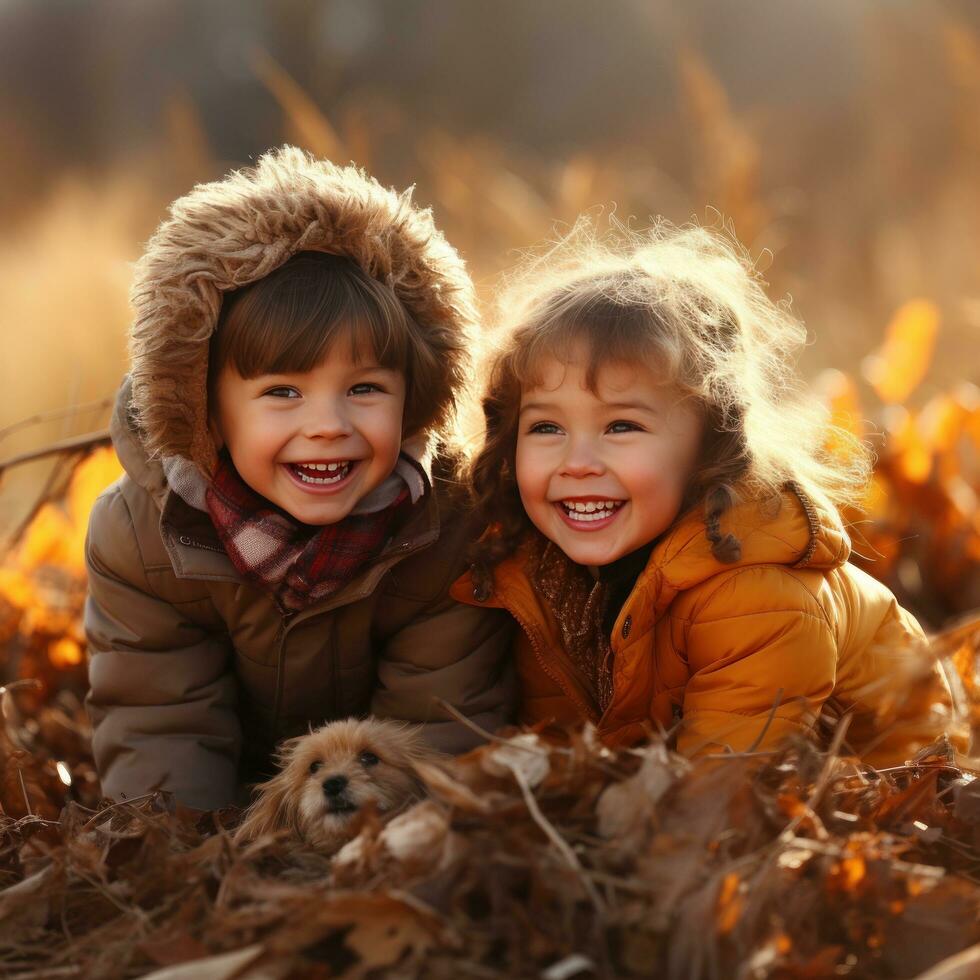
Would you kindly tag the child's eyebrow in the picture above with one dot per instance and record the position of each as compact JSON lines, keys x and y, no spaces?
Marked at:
{"x":615,"y":406}
{"x":536,"y":407}
{"x":633,"y":406}
{"x":356,"y":368}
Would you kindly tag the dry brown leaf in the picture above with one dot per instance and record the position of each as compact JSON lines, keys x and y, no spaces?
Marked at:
{"x":525,"y":755}
{"x":24,"y":906}
{"x":239,"y":964}
{"x":625,"y":808}
{"x":386,"y":931}
{"x":445,"y":787}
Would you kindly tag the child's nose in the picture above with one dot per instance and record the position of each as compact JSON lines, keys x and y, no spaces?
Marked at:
{"x":581,"y":459}
{"x":326,"y":421}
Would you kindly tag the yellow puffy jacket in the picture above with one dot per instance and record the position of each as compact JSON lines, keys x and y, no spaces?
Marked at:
{"x":741,"y":655}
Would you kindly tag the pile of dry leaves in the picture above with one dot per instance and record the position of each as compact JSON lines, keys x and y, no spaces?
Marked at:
{"x":526,"y":860}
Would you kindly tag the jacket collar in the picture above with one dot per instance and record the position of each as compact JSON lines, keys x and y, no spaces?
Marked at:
{"x":190,"y":539}
{"x":795,"y":530}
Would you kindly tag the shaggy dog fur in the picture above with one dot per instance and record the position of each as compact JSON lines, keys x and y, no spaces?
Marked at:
{"x":332,"y":774}
{"x":232,"y":232}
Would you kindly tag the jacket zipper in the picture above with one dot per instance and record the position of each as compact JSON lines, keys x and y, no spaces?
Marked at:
{"x":335,"y":699}
{"x":334,"y":670}
{"x":589,"y":713}
{"x":280,"y":673}
{"x":403,"y":551}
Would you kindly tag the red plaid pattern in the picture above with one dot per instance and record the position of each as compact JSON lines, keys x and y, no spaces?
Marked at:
{"x":295,"y":563}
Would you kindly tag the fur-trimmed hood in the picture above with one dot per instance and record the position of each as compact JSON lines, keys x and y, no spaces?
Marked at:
{"x":229,"y":233}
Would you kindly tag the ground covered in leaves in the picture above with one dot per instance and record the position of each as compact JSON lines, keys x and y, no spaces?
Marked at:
{"x":526,"y":860}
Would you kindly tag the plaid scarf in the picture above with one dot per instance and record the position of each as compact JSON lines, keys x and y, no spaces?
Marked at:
{"x":297,"y":564}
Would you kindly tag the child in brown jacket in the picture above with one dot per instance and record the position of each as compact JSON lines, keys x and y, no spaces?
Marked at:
{"x":280,"y":548}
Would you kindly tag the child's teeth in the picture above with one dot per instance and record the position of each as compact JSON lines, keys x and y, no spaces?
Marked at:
{"x":592,"y":510}
{"x":339,"y":471}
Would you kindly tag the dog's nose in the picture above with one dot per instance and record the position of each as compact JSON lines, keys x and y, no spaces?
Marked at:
{"x":335,"y":785}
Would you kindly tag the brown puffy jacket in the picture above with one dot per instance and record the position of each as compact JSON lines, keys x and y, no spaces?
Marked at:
{"x":194,"y":673}
{"x":189,"y":664}
{"x":739,"y":656}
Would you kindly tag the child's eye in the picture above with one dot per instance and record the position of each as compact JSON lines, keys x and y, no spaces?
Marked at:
{"x":621,"y":425}
{"x":365,"y":388}
{"x":545,"y":429}
{"x":282,"y":391}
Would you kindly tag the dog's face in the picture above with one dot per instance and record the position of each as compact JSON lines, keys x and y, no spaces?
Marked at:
{"x":332,"y":774}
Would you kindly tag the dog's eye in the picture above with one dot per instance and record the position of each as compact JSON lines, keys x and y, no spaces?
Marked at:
{"x":369,"y":759}
{"x":315,"y":767}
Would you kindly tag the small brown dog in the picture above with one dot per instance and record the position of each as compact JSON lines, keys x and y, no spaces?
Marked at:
{"x":330,"y":775}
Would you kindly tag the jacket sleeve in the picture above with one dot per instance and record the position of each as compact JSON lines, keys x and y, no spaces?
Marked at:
{"x":896,"y":690}
{"x":459,"y":654}
{"x":161,"y":699}
{"x":763,"y":659}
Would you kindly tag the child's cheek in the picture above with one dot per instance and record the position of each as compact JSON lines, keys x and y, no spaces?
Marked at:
{"x":532,"y":486}
{"x":530,"y":475}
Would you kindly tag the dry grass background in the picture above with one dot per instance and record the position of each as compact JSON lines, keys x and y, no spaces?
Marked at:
{"x":818,"y":868}
{"x":849,"y":244}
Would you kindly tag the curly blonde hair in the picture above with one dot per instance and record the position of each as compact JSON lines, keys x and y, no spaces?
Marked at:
{"x":689,"y":302}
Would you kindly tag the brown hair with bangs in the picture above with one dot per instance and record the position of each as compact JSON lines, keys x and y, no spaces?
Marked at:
{"x":688,"y":303}
{"x":287,"y":321}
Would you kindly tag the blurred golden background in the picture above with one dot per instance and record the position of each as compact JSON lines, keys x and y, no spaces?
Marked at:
{"x":840,"y":141}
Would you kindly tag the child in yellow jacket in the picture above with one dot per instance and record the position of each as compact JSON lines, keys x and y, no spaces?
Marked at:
{"x":664,"y":519}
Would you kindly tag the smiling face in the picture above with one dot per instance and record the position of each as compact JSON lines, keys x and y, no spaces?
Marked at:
{"x":314,"y":442}
{"x":603,"y":472}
